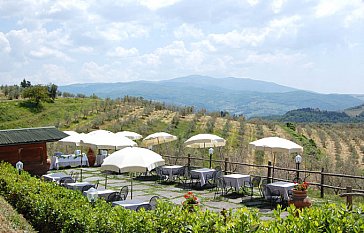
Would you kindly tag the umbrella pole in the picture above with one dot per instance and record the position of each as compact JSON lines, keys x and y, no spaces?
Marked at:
{"x":105,"y":179}
{"x":131,"y":186}
{"x":274,"y":163}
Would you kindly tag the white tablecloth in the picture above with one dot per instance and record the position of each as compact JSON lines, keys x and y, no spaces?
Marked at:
{"x":100,"y":159}
{"x":171,"y":170}
{"x":203,"y":173}
{"x":68,"y":160}
{"x":282,"y":186}
{"x":236,"y":180}
{"x":130,"y":204}
{"x":77,"y":185}
{"x":55,"y":176}
{"x":102,"y":193}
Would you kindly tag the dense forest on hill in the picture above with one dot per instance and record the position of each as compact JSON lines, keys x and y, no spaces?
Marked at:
{"x":335,"y":147}
{"x":320,"y":116}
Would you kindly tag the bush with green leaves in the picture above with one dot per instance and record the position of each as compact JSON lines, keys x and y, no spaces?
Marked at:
{"x":52,"y":208}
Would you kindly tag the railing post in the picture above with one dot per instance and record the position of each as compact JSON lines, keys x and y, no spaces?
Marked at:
{"x":322,"y":182}
{"x":349,"y":198}
{"x":269,"y":174}
{"x":226,"y":165}
{"x":189,"y":160}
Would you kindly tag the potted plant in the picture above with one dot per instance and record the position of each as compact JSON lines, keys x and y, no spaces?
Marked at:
{"x":299,"y":195}
{"x":190,"y":201}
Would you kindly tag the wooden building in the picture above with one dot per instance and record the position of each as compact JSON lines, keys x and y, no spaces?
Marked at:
{"x":28,"y":145}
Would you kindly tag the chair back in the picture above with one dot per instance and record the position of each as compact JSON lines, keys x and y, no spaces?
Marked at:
{"x":124,"y":192}
{"x":65,"y":180}
{"x":87,"y":187}
{"x":255,"y":182}
{"x":263,"y":185}
{"x":115,"y":196}
{"x":153,"y":202}
{"x":144,"y":206}
{"x":218,"y":168}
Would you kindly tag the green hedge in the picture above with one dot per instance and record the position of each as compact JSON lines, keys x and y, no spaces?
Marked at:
{"x":51,"y":208}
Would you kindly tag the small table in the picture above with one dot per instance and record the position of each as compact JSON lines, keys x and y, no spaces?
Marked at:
{"x":203,"y":173}
{"x":77,"y":185}
{"x":171,"y":170}
{"x":102,"y":193}
{"x":68,"y":160}
{"x":54,"y":177}
{"x":236,"y":181}
{"x":130,"y":204}
{"x":283,"y":188}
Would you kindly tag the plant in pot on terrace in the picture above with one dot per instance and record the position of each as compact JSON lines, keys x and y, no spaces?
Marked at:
{"x":190,"y":201}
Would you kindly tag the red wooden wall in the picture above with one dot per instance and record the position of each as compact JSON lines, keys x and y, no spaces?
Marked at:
{"x":33,"y":156}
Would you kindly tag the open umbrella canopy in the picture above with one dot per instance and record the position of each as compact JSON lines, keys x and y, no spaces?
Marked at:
{"x":106,"y":140}
{"x":205,"y":141}
{"x":129,"y":134}
{"x":276,"y":144}
{"x":158,"y":138}
{"x":73,"y":139}
{"x":99,"y":132}
{"x":70,"y":132}
{"x":132,"y":159}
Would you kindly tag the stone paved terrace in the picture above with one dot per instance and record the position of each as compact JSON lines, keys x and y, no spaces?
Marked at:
{"x":144,"y":187}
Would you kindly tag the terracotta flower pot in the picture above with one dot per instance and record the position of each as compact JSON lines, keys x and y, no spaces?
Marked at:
{"x":300,"y":199}
{"x":299,"y":195}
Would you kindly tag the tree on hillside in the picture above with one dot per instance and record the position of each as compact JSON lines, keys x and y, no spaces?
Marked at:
{"x":36,"y":94}
{"x":52,"y":91}
{"x":25,"y":83}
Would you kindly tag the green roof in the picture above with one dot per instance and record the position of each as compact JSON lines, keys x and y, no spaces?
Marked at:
{"x":30,"y":135}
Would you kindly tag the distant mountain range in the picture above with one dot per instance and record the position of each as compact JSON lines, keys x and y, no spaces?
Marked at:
{"x":235,"y":95}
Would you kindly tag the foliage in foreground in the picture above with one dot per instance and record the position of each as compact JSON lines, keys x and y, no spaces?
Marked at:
{"x":51,"y":208}
{"x":11,"y":221}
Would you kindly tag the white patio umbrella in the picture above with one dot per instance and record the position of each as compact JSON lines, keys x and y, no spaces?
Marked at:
{"x":132,"y":159}
{"x":107,"y":140}
{"x":276,"y":144}
{"x":158,"y":138}
{"x":205,"y":141}
{"x":129,"y":134}
{"x":70,"y":132}
{"x":73,"y":139}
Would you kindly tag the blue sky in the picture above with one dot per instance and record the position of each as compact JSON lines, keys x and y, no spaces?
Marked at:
{"x":309,"y":44}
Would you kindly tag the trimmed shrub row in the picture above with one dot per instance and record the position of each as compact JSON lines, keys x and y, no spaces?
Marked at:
{"x":51,"y":208}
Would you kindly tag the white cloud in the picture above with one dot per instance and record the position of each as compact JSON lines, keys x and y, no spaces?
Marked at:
{"x":252,"y":2}
{"x":100,"y":41}
{"x":60,"y":6}
{"x":122,"y":52}
{"x":157,"y":4}
{"x":55,"y":74}
{"x":280,"y":58}
{"x":276,"y":28}
{"x":277,"y":5}
{"x":187,"y":30}
{"x":357,"y":15}
{"x":331,"y":7}
{"x":121,"y":31}
{"x":4,"y":44}
{"x":45,"y":52}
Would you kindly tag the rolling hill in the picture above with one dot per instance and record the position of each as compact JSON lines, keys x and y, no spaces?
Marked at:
{"x":235,"y":95}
